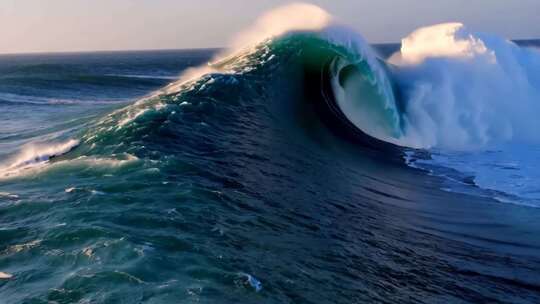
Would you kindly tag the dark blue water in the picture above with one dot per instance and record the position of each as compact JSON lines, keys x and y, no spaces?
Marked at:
{"x":230,"y":190}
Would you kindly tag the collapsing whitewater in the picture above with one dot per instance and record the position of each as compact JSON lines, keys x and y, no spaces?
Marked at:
{"x":456,"y":83}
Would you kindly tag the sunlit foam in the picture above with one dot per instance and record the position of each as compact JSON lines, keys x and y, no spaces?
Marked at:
{"x":33,"y":155}
{"x":292,"y":17}
{"x":449,"y":40}
{"x":467,"y":90}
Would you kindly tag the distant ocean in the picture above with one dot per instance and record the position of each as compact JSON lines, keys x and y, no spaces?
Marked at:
{"x":265,"y":180}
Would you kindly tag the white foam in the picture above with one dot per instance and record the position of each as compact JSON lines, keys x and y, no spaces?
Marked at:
{"x":5,"y":275}
{"x":34,"y":155}
{"x":8,"y":195}
{"x":442,"y":40}
{"x":83,"y":162}
{"x":513,"y":170}
{"x":468,"y":90}
{"x":131,"y":115}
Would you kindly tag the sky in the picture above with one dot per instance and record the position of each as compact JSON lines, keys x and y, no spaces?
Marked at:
{"x":84,"y":25}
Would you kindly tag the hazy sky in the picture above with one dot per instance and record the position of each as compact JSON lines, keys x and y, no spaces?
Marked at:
{"x":74,"y":25}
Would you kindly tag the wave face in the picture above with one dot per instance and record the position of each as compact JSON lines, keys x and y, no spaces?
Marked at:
{"x":342,"y":79}
{"x":274,"y":174}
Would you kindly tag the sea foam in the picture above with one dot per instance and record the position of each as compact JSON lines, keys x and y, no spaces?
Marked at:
{"x":467,"y":90}
{"x":33,"y":155}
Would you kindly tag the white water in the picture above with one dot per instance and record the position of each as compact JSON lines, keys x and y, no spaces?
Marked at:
{"x":468,"y":91}
{"x":510,"y":173}
{"x":34,"y":155}
{"x":475,"y":99}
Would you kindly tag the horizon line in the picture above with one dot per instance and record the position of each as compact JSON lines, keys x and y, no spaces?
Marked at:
{"x":522,"y":40}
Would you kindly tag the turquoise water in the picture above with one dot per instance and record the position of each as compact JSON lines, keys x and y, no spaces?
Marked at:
{"x":235,"y":188}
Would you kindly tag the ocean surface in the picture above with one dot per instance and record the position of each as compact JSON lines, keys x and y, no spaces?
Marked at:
{"x":255,"y":183}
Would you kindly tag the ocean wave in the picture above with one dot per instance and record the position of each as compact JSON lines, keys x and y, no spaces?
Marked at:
{"x":447,"y":88}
